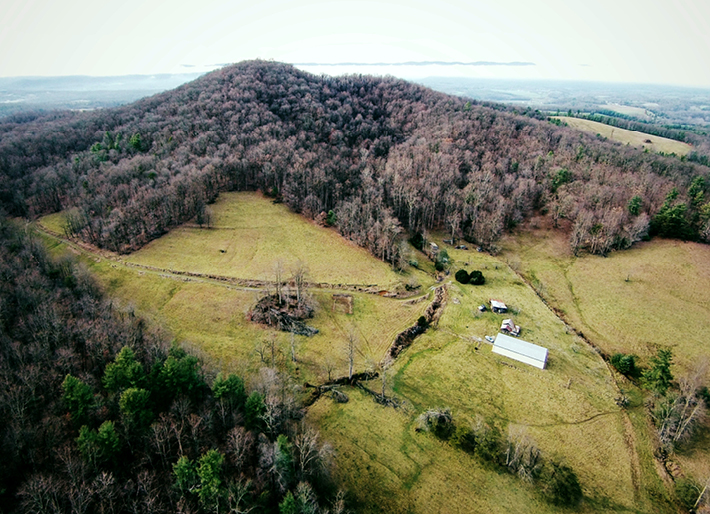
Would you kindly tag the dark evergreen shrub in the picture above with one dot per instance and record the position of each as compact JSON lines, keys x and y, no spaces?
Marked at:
{"x":417,"y":241}
{"x":624,"y":364}
{"x":476,"y":278}
{"x":464,"y":439}
{"x":687,"y":492}
{"x":462,"y":276}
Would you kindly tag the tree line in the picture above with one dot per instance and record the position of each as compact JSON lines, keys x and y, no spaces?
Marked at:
{"x":100,"y":413}
{"x":382,"y":156}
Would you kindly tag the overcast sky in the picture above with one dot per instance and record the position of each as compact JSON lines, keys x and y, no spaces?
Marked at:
{"x":653,"y":41}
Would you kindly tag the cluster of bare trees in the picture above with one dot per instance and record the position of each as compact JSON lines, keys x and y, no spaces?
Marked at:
{"x":679,"y":412}
{"x":382,"y":154}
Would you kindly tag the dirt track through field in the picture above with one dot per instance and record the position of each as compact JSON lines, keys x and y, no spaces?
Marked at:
{"x":231,"y":282}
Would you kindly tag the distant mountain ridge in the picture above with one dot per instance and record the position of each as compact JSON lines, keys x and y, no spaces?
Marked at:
{"x":419,"y":63}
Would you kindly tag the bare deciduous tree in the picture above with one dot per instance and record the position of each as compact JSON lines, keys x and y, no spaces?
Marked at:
{"x":107,"y":492}
{"x":680,"y":412}
{"x":350,"y":349}
{"x":300,"y":272}
{"x":161,"y":434}
{"x":237,"y":495}
{"x":278,"y":279}
{"x":329,"y":366}
{"x":522,"y":456}
{"x":239,"y":445}
{"x":292,"y":347}
{"x":40,"y":494}
{"x":261,"y":349}
{"x":310,"y":456}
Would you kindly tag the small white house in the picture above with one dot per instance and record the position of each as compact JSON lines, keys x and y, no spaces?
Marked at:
{"x":520,"y":350}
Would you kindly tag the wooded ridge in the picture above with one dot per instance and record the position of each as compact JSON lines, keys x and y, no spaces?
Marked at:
{"x":382,"y":154}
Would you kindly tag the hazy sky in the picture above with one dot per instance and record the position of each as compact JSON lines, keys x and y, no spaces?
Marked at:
{"x":657,"y":41}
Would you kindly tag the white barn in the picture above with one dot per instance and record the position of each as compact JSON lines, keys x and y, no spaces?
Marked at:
{"x":520,"y":350}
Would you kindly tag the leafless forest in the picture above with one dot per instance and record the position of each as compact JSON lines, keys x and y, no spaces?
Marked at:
{"x":386,"y":156}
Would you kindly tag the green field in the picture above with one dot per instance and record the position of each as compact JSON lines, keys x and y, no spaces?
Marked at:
{"x":631,"y":137}
{"x":212,"y":314}
{"x":251,"y":235}
{"x":569,"y":408}
{"x":629,"y":110}
{"x":655,"y":295}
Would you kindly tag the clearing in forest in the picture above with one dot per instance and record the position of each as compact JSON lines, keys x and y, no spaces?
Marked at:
{"x":250,"y":234}
{"x":629,"y":110}
{"x":631,"y":137}
{"x":255,"y":234}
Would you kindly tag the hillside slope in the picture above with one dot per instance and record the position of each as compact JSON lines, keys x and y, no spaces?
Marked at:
{"x":383,"y":154}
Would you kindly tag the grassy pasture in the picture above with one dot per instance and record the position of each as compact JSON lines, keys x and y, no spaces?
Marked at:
{"x":54,"y":222}
{"x":657,"y":294}
{"x":387,"y":467}
{"x":251,"y":234}
{"x":629,"y":110}
{"x":212,"y":315}
{"x":631,"y":137}
{"x":568,"y":408}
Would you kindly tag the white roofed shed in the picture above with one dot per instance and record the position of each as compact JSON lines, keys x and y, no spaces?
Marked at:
{"x":520,"y":350}
{"x":498,"y":306}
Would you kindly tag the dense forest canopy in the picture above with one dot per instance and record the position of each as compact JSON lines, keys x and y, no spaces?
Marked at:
{"x":384,"y":155}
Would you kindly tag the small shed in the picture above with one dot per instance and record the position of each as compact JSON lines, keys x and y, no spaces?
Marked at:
{"x":498,"y":307}
{"x":510,"y":327}
{"x":520,"y":350}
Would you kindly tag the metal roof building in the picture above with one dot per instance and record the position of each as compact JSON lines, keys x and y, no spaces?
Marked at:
{"x":498,"y":306}
{"x":520,"y":350}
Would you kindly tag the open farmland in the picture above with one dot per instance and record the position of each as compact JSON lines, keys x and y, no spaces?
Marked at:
{"x":212,"y":313}
{"x":655,"y":295}
{"x":631,"y":137}
{"x":250,"y":235}
{"x":568,"y":409}
{"x":630,"y":110}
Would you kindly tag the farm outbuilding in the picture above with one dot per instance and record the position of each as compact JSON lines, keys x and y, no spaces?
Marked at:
{"x":520,"y":350}
{"x":510,"y":328}
{"x":498,"y":307}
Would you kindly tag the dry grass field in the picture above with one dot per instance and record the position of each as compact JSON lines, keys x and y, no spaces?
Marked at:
{"x":629,"y":110}
{"x":631,"y":137}
{"x":251,"y":234}
{"x":655,"y":295}
{"x":54,"y":222}
{"x":212,"y":315}
{"x":569,"y":408}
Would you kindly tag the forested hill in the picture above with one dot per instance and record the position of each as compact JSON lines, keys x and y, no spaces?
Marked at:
{"x":383,"y":154}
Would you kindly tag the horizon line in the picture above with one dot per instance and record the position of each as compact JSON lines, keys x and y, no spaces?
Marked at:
{"x":418,"y":63}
